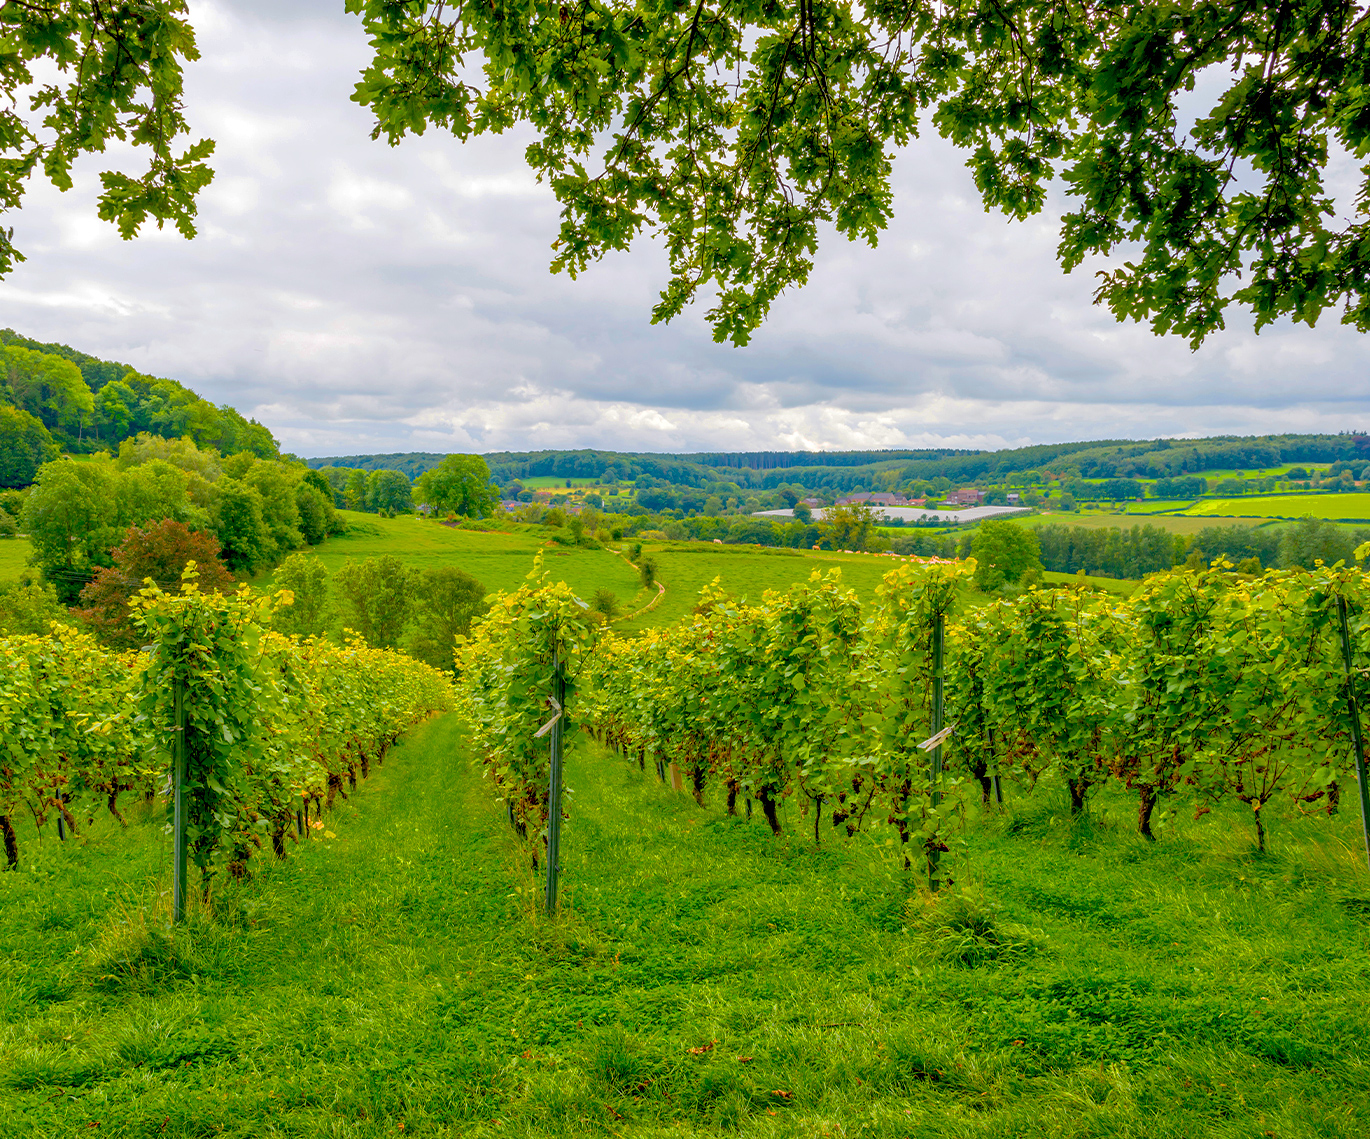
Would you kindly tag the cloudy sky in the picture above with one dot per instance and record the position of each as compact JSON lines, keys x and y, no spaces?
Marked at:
{"x":359,"y":298}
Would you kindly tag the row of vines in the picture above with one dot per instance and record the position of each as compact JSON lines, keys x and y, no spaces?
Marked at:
{"x":1204,"y":687}
{"x":273,"y":728}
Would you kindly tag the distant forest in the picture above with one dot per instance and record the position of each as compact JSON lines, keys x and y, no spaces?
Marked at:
{"x":853,"y":470}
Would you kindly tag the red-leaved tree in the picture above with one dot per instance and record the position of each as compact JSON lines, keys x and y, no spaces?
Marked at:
{"x":159,"y":552}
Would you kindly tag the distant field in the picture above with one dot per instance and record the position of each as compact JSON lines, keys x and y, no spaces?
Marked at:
{"x":746,"y":571}
{"x":1231,"y":473}
{"x":1157,"y":505}
{"x":502,"y":561}
{"x":1175,"y":523}
{"x":497,"y":560}
{"x":1258,"y":472}
{"x":1332,"y":506}
{"x":1111,"y":584}
{"x":547,"y":482}
{"x":14,"y":557}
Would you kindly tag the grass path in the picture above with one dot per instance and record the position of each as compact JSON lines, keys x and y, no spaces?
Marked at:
{"x":704,"y":979}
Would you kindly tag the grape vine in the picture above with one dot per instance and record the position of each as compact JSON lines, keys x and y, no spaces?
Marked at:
{"x":1205,"y":686}
{"x":274,"y":724}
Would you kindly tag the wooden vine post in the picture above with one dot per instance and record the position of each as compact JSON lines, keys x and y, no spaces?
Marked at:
{"x":1353,"y":711}
{"x":938,"y":646}
{"x":178,"y":788}
{"x":554,"y":785}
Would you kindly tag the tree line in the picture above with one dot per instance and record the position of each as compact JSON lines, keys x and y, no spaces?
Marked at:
{"x":78,"y":511}
{"x":54,"y":398}
{"x":1137,"y":551}
{"x":101,"y":526}
{"x":1178,"y":463}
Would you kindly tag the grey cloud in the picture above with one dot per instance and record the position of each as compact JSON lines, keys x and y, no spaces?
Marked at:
{"x":360,"y":297}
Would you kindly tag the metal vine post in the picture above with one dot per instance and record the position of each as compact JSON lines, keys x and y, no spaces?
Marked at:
{"x":554,"y":786}
{"x":178,"y":780}
{"x":938,"y":642}
{"x":1353,"y":711}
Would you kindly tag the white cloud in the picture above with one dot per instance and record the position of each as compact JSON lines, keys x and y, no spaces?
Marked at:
{"x":359,"y":297}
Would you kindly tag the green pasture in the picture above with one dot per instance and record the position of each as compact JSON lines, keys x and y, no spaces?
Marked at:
{"x":1334,"y":507}
{"x":1175,"y":523}
{"x":746,"y":571}
{"x":1232,"y":473}
{"x":392,"y":977}
{"x":502,"y":561}
{"x":549,"y":482}
{"x":498,"y":560}
{"x":1259,"y":473}
{"x":1157,"y":505}
{"x":14,"y":557}
{"x":1122,"y":587}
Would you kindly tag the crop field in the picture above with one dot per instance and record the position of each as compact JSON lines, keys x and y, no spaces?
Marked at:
{"x":14,"y":557}
{"x":1157,"y":505}
{"x":550,"y":482}
{"x":703,"y":978}
{"x":1175,"y":523}
{"x":1334,"y":507}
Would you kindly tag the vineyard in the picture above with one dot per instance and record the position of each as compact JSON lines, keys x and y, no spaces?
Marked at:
{"x":814,"y":875}
{"x":1204,"y":687}
{"x":266,"y":729}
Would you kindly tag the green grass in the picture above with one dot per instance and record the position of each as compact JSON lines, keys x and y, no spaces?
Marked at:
{"x":1351,"y":507}
{"x":1232,"y":472}
{"x":14,"y":557}
{"x":747,"y":571}
{"x":1261,"y":473}
{"x":1157,"y":505}
{"x":1175,"y":523}
{"x":498,"y":560}
{"x":1123,"y":586}
{"x":549,"y":482}
{"x":503,"y":561}
{"x":704,"y":978}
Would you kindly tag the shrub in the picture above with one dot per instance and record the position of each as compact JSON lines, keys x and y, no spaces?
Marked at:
{"x":159,"y":552}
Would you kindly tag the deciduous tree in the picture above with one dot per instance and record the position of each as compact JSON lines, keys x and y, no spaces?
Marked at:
{"x":1310,"y":540}
{"x":96,"y":73}
{"x":1004,"y":553}
{"x":460,"y":484}
{"x":738,"y":131}
{"x":305,"y":576}
{"x":851,"y":527}
{"x":388,"y":491}
{"x":240,"y":523}
{"x":25,"y":445}
{"x":379,"y":593}
{"x":71,"y":516}
{"x":159,"y":551}
{"x":446,"y":599}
